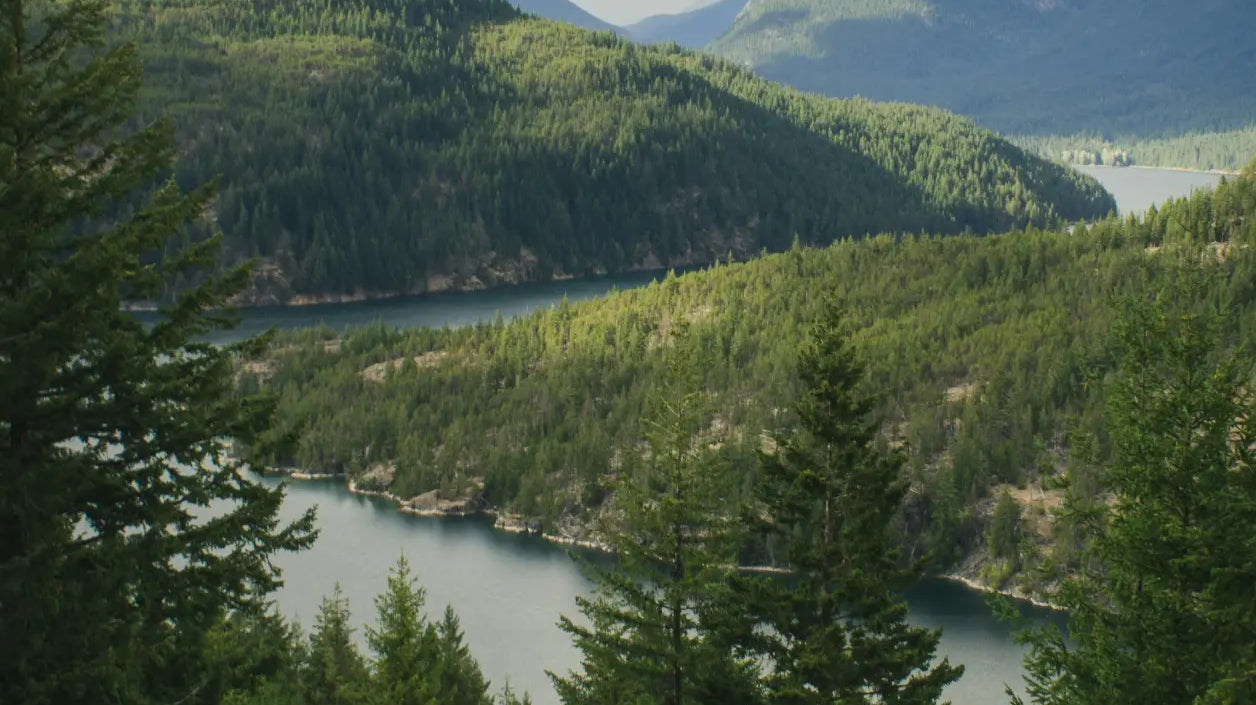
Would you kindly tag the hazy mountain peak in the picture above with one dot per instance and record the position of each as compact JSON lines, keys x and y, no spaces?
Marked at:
{"x":694,"y":28}
{"x":564,"y":11}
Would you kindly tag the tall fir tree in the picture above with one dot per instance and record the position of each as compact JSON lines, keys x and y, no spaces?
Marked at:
{"x":461,"y":681}
{"x":416,"y":662}
{"x":835,"y":629}
{"x":653,"y":631}
{"x":253,"y":657}
{"x":125,"y":528}
{"x":1163,"y":608}
{"x":334,"y":672}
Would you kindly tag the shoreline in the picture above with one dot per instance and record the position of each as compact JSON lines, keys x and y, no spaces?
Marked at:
{"x":300,"y":301}
{"x":501,"y":522}
{"x":1145,"y":167}
{"x":514,"y":524}
{"x":981,"y":587}
{"x":1188,"y":170}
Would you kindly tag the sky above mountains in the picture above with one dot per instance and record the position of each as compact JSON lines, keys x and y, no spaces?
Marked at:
{"x":626,"y":12}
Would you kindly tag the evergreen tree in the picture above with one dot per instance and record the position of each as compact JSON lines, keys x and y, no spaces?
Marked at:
{"x":652,"y":635}
{"x":252,"y":657}
{"x":1004,"y":536}
{"x":1164,"y":608}
{"x":417,"y":663}
{"x":403,"y":642}
{"x":462,"y":683}
{"x":125,"y":529}
{"x":836,"y":630}
{"x":334,"y":672}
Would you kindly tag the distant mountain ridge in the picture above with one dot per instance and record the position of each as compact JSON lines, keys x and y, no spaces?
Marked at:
{"x":565,"y":11}
{"x":694,"y":28}
{"x":1133,"y":67}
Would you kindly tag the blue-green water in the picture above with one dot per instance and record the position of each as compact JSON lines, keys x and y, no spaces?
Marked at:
{"x":438,"y":310}
{"x":510,"y":589}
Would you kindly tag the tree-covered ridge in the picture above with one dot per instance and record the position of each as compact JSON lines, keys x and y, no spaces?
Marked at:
{"x":374,"y":146}
{"x":982,"y":349}
{"x":1206,"y":151}
{"x":1126,"y":68}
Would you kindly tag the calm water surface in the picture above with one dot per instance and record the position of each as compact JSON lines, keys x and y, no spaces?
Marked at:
{"x":1137,"y":189}
{"x":437,"y":310}
{"x":509,"y":590}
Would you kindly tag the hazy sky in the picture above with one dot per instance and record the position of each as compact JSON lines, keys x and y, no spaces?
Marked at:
{"x":623,"y":12}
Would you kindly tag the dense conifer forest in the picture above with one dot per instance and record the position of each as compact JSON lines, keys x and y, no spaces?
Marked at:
{"x":1206,"y":151}
{"x":987,"y":353}
{"x":368,"y":146}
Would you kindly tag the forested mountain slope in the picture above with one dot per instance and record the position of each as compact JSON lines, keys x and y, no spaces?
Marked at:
{"x":1125,"y":67}
{"x":382,"y":146}
{"x":988,"y":352}
{"x":693,"y":28}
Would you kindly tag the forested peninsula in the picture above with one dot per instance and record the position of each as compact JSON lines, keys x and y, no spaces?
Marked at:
{"x":989,"y":354}
{"x":376,"y":147}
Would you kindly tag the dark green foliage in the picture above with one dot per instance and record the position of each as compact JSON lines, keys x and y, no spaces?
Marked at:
{"x":125,"y":528}
{"x":981,"y":348}
{"x":253,"y":658}
{"x":649,"y":636}
{"x":1168,"y":617}
{"x":1224,"y":151}
{"x":416,"y":662}
{"x":334,"y":672}
{"x":1120,"y":67}
{"x":1004,"y":536}
{"x":366,"y":149}
{"x":835,"y":630}
{"x":461,"y":682}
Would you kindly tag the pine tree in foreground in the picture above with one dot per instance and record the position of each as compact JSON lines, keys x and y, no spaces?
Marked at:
{"x":416,"y":662}
{"x":835,"y":630}
{"x":252,"y":657}
{"x":1163,"y":609}
{"x":650,"y":637}
{"x":126,"y":530}
{"x":334,"y":672}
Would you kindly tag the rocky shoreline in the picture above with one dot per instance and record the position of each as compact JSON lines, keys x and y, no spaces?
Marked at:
{"x":518,"y":524}
{"x":1014,"y":593}
{"x":513,"y":273}
{"x":427,"y":505}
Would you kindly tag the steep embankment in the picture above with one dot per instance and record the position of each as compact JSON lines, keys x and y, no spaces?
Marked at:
{"x":988,"y":352}
{"x":1119,"y":67}
{"x":380,"y":146}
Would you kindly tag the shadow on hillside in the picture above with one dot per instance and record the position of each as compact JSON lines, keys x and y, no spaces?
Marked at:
{"x":754,"y":179}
